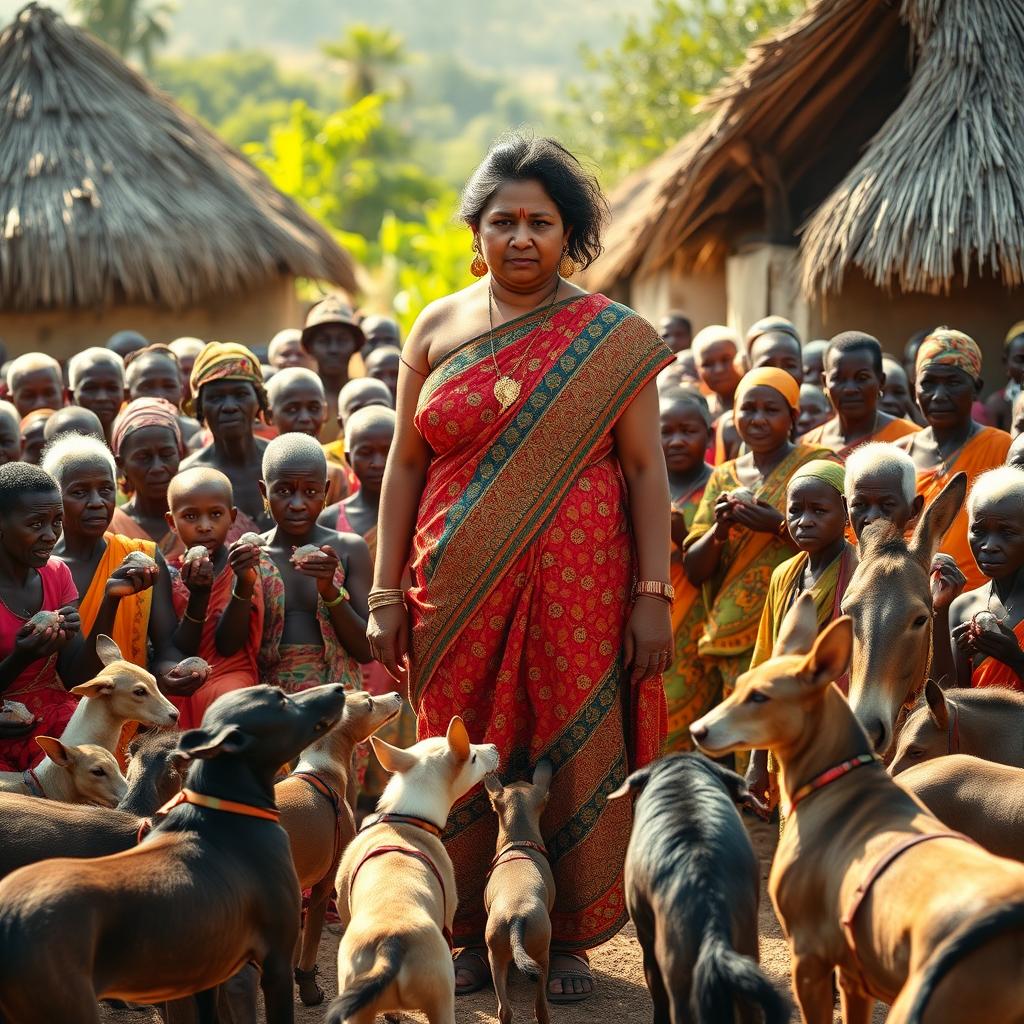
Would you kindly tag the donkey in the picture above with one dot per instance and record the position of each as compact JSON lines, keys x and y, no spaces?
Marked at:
{"x":890,"y":601}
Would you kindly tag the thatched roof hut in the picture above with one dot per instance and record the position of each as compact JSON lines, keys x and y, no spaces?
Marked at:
{"x":883,"y":137}
{"x":112,"y":197}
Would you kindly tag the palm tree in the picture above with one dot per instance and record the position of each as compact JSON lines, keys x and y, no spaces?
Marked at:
{"x":127,"y":26}
{"x":368,"y":55}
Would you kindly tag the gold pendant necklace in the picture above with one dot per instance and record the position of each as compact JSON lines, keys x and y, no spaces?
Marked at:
{"x":506,"y":388}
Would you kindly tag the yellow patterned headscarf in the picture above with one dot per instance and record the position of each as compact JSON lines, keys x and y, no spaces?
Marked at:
{"x":769,"y":377}
{"x":831,"y":473}
{"x":947,"y":347}
{"x":1013,"y":333}
{"x":224,"y":360}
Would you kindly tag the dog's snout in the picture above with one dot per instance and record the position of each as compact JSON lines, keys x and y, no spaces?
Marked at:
{"x":878,"y":734}
{"x":698,"y":732}
{"x":173,"y":714}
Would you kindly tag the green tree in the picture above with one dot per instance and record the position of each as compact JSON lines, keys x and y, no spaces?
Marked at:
{"x":369,"y":55}
{"x":131,"y":27}
{"x":643,"y":93}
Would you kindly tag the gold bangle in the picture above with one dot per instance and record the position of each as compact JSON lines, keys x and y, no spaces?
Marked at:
{"x":342,"y":596}
{"x":198,"y":622}
{"x":236,"y":596}
{"x":385,"y":598}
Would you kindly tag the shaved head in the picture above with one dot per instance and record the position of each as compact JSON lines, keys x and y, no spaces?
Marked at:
{"x":32,"y":362}
{"x":290,"y":375}
{"x":292,"y":451}
{"x":361,"y":392}
{"x":93,"y":357}
{"x":367,"y":419}
{"x":200,"y":478}
{"x":1000,"y":484}
{"x":73,"y":419}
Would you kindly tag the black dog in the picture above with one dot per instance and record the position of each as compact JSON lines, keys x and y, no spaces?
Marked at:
{"x":692,"y":889}
{"x":211,"y":888}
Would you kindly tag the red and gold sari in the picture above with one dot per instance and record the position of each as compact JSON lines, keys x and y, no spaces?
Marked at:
{"x":522,"y":565}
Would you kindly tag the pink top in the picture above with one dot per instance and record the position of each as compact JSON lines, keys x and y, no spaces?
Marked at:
{"x":58,"y":591}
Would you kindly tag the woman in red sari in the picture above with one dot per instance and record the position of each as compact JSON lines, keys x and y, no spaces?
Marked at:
{"x":526,"y":459}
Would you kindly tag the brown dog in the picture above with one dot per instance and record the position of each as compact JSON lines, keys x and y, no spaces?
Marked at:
{"x":982,"y":799}
{"x":210,"y":888}
{"x":854,"y":875}
{"x":520,"y":889}
{"x":396,"y":885}
{"x":319,"y":820}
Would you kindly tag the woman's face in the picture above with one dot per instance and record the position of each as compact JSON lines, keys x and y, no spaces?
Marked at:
{"x":996,"y":536}
{"x":764,"y":419}
{"x":229,"y":407}
{"x":149,"y":459}
{"x":89,"y":495}
{"x":684,"y":436}
{"x":946,"y":394}
{"x":30,"y":529}
{"x":522,"y":236}
{"x":853,"y":384}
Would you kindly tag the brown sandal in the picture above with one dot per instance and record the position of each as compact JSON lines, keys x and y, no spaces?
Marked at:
{"x":585,"y":975}
{"x":475,"y":963}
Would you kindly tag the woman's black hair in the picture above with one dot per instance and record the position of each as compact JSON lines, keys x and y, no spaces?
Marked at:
{"x":577,"y":194}
{"x":18,"y":480}
{"x":261,"y":401}
{"x":857,"y":341}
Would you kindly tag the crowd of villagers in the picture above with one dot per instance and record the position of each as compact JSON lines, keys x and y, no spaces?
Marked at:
{"x":253,"y":484}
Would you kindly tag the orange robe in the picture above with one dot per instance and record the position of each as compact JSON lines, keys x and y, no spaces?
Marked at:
{"x":170,"y":544}
{"x":131,"y":623}
{"x":986,"y":450}
{"x":892,"y":431}
{"x":230,"y":673}
{"x":993,"y":672}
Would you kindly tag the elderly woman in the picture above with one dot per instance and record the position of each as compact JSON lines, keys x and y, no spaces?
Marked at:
{"x":528,"y":478}
{"x":948,"y":382}
{"x":131,"y":604}
{"x":147,"y":445}
{"x":227,"y":398}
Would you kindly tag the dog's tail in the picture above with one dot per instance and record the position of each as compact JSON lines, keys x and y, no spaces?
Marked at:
{"x":721,"y":975}
{"x":965,"y":940}
{"x":367,"y":987}
{"x":517,"y":940}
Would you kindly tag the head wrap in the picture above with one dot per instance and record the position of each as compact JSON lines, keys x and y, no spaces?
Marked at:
{"x":224,"y":360}
{"x":769,"y":377}
{"x":1014,"y":332}
{"x":831,"y":473}
{"x":36,"y":414}
{"x":949,"y":348}
{"x":145,"y":412}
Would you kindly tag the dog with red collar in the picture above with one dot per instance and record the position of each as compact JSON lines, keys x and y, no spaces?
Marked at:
{"x":210,"y":888}
{"x":396,"y":884}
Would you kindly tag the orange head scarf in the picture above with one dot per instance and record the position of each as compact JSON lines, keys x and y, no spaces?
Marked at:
{"x":769,"y":377}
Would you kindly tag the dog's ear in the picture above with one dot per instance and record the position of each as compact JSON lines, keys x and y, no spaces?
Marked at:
{"x":458,"y":739}
{"x":936,"y":704}
{"x":937,"y":519}
{"x":93,"y":688}
{"x":392,"y":759}
{"x":799,"y":628}
{"x":493,"y":786}
{"x":106,"y":650}
{"x":55,"y":751}
{"x":542,"y":776}
{"x":634,"y":783}
{"x":201,"y":744}
{"x":830,"y":656}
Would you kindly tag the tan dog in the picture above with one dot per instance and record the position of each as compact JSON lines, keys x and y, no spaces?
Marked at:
{"x":520,"y":890}
{"x":396,"y":886}
{"x":982,"y":799}
{"x":319,"y":820}
{"x":859,"y":849}
{"x":83,"y":774}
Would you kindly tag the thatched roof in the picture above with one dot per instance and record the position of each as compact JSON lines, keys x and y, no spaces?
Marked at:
{"x":110,"y":193}
{"x":923,"y":100}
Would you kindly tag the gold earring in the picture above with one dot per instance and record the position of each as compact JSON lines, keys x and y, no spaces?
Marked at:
{"x":566,"y":265}
{"x":478,"y":268}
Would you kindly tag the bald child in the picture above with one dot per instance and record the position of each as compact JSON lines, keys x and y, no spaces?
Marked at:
{"x":73,"y":419}
{"x":382,"y":364}
{"x":35,"y":381}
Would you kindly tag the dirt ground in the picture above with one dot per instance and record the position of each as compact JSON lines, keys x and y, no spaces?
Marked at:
{"x":621,"y":994}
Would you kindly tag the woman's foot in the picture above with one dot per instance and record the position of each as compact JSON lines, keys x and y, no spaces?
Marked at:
{"x":472,"y":970}
{"x":569,"y":978}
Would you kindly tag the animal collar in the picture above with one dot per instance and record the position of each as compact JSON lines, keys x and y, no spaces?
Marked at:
{"x":31,"y":780}
{"x":214,"y":803}
{"x":387,"y":818}
{"x":829,"y":776}
{"x":519,"y":844}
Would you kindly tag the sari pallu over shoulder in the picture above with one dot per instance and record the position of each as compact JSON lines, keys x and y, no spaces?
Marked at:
{"x":497,"y":477}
